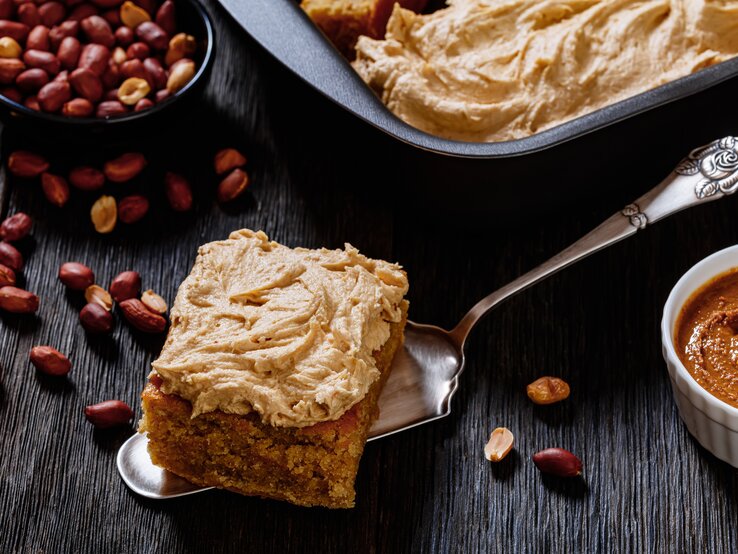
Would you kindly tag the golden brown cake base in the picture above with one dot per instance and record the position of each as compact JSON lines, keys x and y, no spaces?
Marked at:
{"x":309,"y":466}
{"x":343,"y":21}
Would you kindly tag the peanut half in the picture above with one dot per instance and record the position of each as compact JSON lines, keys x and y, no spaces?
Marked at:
{"x":499,"y":445}
{"x":154,"y":302}
{"x":104,"y":214}
{"x":95,"y":294}
{"x":548,"y":390}
{"x":132,"y":90}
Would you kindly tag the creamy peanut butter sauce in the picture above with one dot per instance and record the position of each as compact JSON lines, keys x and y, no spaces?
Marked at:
{"x":287,"y":333}
{"x":494,"y":70}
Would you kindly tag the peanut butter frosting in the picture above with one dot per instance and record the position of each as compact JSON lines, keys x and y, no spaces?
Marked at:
{"x":495,"y":70}
{"x":287,"y":333}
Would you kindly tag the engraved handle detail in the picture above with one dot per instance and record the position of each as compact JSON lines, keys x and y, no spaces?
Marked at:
{"x":707,"y":173}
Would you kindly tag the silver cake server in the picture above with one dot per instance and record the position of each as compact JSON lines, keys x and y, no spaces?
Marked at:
{"x":425,"y":372}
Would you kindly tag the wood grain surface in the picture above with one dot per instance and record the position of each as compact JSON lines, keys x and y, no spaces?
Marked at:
{"x":321,"y":178}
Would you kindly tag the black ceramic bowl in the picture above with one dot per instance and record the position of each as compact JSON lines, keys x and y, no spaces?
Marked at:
{"x":192,"y":19}
{"x":620,"y":150}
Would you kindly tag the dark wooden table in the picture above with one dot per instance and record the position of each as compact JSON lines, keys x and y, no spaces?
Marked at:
{"x":322,"y":178}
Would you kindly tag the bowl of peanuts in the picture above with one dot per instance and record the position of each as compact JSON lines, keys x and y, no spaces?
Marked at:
{"x":86,"y":68}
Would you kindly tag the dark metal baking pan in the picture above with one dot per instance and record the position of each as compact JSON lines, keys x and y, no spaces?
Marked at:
{"x":580,"y":159}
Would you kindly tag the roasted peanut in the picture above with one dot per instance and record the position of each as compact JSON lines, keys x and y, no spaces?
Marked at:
{"x":50,"y":361}
{"x":179,"y":192}
{"x":181,"y":46}
{"x":38,"y":39}
{"x":31,"y":80}
{"x":44,"y":60}
{"x":9,"y":48}
{"x":68,"y":52}
{"x":16,"y":227}
{"x":81,"y":11}
{"x":499,"y":445}
{"x":98,"y":30}
{"x":557,"y":461}
{"x":111,"y":413}
{"x":95,"y":58}
{"x":125,"y":167}
{"x":154,"y":302}
{"x":10,"y":257}
{"x":86,"y":178}
{"x":10,"y":68}
{"x":28,"y":15}
{"x":95,"y":319}
{"x":18,"y":301}
{"x":548,"y":390}
{"x":78,"y":107}
{"x":104,"y":214}
{"x":110,"y":108}
{"x":125,"y":285}
{"x":166,"y":17}
{"x":233,"y":185}
{"x":7,"y":276}
{"x":180,"y":74}
{"x":132,"y":208}
{"x":95,"y":294}
{"x":143,"y":104}
{"x":124,"y":36}
{"x":86,"y":83}
{"x":55,"y":189}
{"x":22,"y":163}
{"x":132,"y":16}
{"x":76,"y":276}
{"x":132,"y":90}
{"x":61,"y":31}
{"x":141,"y":317}
{"x":228,"y":159}
{"x":119,"y":55}
{"x":51,"y":13}
{"x":53,"y":95}
{"x":15,"y":30}
{"x":153,"y":35}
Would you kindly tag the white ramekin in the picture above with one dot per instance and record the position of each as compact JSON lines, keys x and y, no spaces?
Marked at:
{"x":711,"y":421}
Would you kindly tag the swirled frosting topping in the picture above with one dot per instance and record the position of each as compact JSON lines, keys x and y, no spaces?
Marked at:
{"x":287,"y":333}
{"x":494,"y":70}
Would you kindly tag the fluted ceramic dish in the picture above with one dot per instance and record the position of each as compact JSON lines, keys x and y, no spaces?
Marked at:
{"x":711,"y":421}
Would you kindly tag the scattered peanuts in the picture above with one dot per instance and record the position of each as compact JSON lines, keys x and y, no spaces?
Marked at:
{"x":41,"y":41}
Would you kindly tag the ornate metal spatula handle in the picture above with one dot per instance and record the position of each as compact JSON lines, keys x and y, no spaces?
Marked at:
{"x":707,"y":173}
